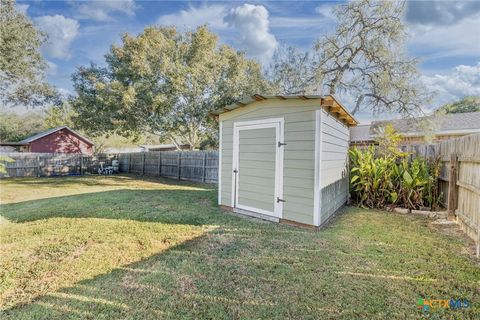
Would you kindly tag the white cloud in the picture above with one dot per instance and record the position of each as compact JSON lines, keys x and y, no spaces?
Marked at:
{"x":61,"y":32}
{"x":440,"y":41}
{"x":326,"y":11}
{"x":212,"y":15}
{"x":440,"y":12}
{"x":252,"y":24}
{"x":103,"y":10}
{"x":460,"y":82}
{"x":64,"y":92}
{"x":51,"y":68}
{"x":22,"y":7}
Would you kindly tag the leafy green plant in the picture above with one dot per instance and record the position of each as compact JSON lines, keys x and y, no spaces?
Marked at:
{"x":3,"y":160}
{"x":391,"y":179}
{"x":371,"y":178}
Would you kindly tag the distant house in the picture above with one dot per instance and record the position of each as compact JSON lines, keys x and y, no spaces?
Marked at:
{"x":418,"y":130}
{"x":56,"y":140}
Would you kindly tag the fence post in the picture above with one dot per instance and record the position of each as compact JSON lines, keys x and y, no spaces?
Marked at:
{"x":159,"y":163}
{"x":143,"y":164}
{"x":452,"y":186}
{"x":204,"y":166}
{"x":81,"y":164}
{"x":38,"y":166}
{"x":179,"y":164}
{"x":129,"y":162}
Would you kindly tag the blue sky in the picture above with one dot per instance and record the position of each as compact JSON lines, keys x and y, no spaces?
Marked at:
{"x":443,"y":34}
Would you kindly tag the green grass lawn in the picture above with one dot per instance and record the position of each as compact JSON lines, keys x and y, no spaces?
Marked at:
{"x":123,"y":248}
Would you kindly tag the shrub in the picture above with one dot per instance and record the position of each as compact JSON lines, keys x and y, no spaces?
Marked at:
{"x":377,"y":181}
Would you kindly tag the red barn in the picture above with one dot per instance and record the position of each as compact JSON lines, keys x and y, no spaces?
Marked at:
{"x":55,"y":140}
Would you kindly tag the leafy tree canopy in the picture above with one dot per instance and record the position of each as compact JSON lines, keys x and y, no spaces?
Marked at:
{"x":15,"y":127}
{"x":22,"y":67}
{"x":163,"y":82}
{"x":467,"y":104}
{"x":364,"y":58}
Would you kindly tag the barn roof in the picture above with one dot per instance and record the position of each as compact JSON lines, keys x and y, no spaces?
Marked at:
{"x":329,"y":102}
{"x":50,"y":131}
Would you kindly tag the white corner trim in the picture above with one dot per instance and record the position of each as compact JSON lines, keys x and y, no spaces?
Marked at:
{"x":317,"y":172}
{"x":220,"y":139}
{"x":279,"y":167}
{"x":234,"y":166}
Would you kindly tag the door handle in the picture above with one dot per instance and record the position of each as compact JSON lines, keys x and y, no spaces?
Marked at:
{"x":235,"y":171}
{"x":281,"y":144}
{"x":280,"y":200}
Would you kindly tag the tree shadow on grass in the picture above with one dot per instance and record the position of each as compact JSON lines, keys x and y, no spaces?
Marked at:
{"x":212,"y":276}
{"x":250,"y":270}
{"x":97,"y":180}
{"x":177,"y":206}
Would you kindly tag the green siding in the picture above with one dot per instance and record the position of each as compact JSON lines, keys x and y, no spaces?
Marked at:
{"x":333,"y":173}
{"x":299,"y":153}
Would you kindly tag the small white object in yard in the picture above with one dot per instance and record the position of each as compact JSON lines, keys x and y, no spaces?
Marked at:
{"x":444,"y":221}
{"x":116,"y":165}
{"x":105,"y":170}
{"x":423,"y":213}
{"x":401,"y":210}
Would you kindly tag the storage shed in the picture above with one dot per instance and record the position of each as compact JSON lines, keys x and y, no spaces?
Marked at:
{"x":284,"y":158}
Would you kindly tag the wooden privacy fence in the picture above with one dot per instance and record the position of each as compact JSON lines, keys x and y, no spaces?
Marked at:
{"x":459,"y":180}
{"x":201,"y":166}
{"x":52,"y":164}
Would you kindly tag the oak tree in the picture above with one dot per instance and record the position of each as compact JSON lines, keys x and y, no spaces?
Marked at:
{"x":366,"y":58}
{"x":22,"y":67}
{"x":163,"y":82}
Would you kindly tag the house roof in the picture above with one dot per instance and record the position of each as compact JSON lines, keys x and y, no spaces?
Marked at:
{"x":439,"y":123}
{"x":329,"y":102}
{"x":447,"y":124}
{"x":360,"y":133}
{"x":50,"y":131}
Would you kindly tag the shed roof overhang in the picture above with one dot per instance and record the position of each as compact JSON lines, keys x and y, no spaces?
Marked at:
{"x":328,"y":102}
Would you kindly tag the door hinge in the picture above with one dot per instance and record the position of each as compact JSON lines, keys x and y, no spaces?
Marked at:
{"x":280,"y":200}
{"x":281,"y":144}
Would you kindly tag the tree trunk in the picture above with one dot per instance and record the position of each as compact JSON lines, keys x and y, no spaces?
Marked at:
{"x":357,"y":105}
{"x":175,"y":143}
